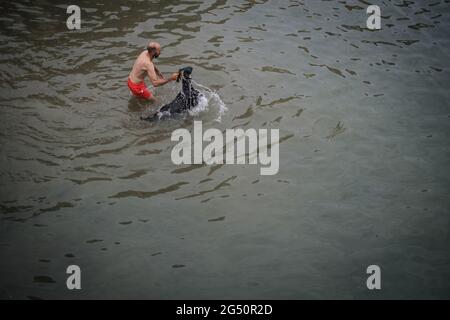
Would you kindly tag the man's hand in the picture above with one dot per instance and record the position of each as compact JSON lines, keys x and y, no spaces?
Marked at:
{"x":154,"y":76}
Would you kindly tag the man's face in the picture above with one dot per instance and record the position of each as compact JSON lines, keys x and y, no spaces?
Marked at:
{"x":157,"y":53}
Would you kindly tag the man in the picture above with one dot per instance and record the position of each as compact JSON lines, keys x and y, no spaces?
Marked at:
{"x":144,"y":66}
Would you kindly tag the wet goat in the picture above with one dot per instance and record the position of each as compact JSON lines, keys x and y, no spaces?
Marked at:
{"x":186,"y":99}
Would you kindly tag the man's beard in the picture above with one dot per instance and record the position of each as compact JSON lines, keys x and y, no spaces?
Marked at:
{"x":155,"y":56}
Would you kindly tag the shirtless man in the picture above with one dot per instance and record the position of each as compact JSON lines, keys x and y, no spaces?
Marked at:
{"x":144,"y":66}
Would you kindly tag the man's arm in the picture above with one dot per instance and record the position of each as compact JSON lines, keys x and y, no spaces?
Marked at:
{"x":154,"y":79}
{"x":158,"y":73}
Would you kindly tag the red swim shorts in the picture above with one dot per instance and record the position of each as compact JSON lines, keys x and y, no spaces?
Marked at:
{"x":139,"y":89}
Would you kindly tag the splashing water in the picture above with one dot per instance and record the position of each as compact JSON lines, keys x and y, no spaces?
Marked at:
{"x":208,"y":99}
{"x":201,"y":106}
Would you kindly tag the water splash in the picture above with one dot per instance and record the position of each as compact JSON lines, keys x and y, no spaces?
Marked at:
{"x":201,"y":106}
{"x":209,"y":99}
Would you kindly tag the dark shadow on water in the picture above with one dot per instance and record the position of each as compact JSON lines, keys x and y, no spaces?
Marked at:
{"x":138,"y":105}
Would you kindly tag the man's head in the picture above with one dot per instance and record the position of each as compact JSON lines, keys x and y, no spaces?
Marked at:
{"x":154,"y":49}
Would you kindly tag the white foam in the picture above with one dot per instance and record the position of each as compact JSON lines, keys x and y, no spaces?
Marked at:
{"x":209,"y":99}
{"x":201,"y":106}
{"x":164,"y":113}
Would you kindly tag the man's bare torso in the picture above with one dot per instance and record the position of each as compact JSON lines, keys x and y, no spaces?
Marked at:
{"x":141,"y":67}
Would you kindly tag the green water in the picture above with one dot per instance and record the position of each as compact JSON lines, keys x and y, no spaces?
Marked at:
{"x":364,"y":178}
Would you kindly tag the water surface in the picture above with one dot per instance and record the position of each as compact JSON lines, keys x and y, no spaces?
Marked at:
{"x":364,"y":177}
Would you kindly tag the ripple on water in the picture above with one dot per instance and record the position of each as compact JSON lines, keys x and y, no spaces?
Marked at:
{"x":72,"y":141}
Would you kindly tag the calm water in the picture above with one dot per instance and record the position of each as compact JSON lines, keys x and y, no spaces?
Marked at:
{"x":364,"y":120}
